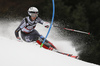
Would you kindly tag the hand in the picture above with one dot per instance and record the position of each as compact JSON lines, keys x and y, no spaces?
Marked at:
{"x":47,"y":26}
{"x":19,"y":39}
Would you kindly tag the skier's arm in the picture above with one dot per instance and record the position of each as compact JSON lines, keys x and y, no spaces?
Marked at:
{"x":22,"y":25}
{"x":17,"y":32}
{"x":44,"y":23}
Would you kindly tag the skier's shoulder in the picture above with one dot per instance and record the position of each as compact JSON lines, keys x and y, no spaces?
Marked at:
{"x":38,"y":18}
{"x":25,"y":19}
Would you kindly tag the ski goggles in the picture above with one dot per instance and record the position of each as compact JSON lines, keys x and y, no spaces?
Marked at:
{"x":34,"y":15}
{"x":33,"y":12}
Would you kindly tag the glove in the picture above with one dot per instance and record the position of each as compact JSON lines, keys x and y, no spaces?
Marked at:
{"x":47,"y":26}
{"x":19,"y":39}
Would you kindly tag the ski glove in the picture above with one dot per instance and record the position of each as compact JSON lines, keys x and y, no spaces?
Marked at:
{"x":19,"y":39}
{"x":47,"y":26}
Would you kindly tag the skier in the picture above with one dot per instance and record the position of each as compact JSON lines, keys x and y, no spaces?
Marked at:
{"x":28,"y":31}
{"x":30,"y":34}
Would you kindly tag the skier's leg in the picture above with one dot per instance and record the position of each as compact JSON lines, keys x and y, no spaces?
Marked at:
{"x":41,"y":39}
{"x":30,"y":37}
{"x":26,"y":37}
{"x":46,"y":43}
{"x":34,"y":35}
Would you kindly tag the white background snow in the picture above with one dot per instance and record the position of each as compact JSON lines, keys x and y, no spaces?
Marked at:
{"x":14,"y":53}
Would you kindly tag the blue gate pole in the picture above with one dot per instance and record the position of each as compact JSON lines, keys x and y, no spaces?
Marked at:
{"x":50,"y":24}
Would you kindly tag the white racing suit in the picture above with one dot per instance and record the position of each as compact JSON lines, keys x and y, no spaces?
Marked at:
{"x":28,"y":33}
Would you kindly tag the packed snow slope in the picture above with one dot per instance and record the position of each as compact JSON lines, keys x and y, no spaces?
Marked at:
{"x":14,"y":53}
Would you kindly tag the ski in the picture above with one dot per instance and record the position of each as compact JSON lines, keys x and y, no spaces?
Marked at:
{"x":48,"y":45}
{"x":70,"y":55}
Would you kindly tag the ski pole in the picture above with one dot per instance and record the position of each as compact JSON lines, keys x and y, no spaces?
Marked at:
{"x":74,"y":30}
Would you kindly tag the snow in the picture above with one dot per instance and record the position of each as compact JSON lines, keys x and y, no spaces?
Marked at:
{"x":15,"y":53}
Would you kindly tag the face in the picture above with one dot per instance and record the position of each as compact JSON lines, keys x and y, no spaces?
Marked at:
{"x":33,"y":18}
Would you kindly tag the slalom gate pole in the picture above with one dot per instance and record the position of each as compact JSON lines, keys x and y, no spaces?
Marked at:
{"x":73,"y":30}
{"x":50,"y":24}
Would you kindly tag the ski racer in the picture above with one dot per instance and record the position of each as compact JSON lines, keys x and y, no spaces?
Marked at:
{"x":30,"y":34}
{"x":28,"y":24}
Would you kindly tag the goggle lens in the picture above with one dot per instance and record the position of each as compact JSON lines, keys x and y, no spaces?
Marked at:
{"x":34,"y":12}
